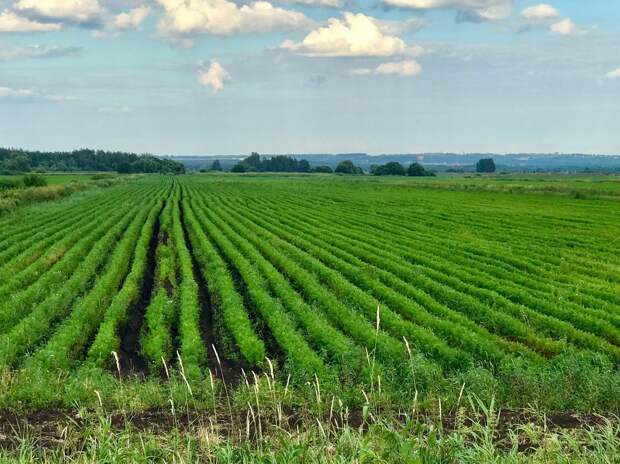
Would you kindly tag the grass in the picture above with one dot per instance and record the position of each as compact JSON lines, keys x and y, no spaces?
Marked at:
{"x":487,"y":436}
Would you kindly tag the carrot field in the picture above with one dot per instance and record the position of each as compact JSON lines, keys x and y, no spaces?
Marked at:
{"x":300,"y":293}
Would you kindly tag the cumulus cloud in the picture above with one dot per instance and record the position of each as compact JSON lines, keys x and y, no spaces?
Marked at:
{"x":539,"y":12}
{"x":36,"y":51}
{"x":223,"y":17}
{"x":615,"y":74}
{"x":468,"y":10}
{"x":393,"y":68}
{"x":354,"y":35}
{"x":78,"y":11}
{"x":319,"y":3}
{"x":566,"y":27}
{"x":12,"y":22}
{"x":131,"y":19}
{"x":215,"y":76}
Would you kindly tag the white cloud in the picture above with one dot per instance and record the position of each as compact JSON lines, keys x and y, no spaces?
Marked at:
{"x":323,"y":3}
{"x":30,"y":94}
{"x":434,"y":4}
{"x":399,"y":68}
{"x":539,"y":12}
{"x":68,"y":10}
{"x":566,"y":27}
{"x":354,"y":35}
{"x":223,"y":17}
{"x":615,"y":74}
{"x":12,"y":22}
{"x":131,"y":19}
{"x":470,"y":10}
{"x":36,"y":51}
{"x":392,"y":68}
{"x":214,"y":77}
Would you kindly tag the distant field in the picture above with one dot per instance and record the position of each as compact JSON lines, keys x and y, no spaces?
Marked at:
{"x":371,"y":291}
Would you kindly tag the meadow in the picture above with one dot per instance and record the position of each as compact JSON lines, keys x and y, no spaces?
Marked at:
{"x":445,"y":320}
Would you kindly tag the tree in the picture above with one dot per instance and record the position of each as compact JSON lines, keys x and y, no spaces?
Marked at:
{"x":253,"y":162}
{"x":417,"y":170}
{"x":17,"y":161}
{"x":215,"y":166}
{"x":485,"y":165}
{"x":124,"y":168}
{"x":87,"y":160}
{"x":347,"y":167}
{"x":323,"y":169}
{"x":240,"y":167}
{"x":304,"y":166}
{"x":393,"y":168}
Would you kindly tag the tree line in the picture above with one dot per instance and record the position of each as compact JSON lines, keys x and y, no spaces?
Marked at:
{"x":283,"y":163}
{"x":12,"y":160}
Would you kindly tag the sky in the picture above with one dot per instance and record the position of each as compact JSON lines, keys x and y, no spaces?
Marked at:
{"x":311,"y":76}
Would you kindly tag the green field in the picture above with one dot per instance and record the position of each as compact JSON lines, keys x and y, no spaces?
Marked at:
{"x":261,"y":301}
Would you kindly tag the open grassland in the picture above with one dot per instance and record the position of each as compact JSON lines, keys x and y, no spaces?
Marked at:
{"x":251,"y":306}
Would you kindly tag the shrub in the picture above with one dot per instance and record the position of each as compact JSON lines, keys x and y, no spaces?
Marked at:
{"x":8,"y":184}
{"x":34,"y":180}
{"x":347,"y":167}
{"x":417,"y":170}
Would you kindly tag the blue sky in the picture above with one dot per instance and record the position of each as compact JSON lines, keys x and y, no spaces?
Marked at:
{"x":302,"y":76}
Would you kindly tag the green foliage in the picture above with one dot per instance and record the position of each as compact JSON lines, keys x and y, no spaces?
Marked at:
{"x":15,"y":161}
{"x":215,"y":166}
{"x":323,"y":169}
{"x":417,"y":170}
{"x":87,"y":160}
{"x":347,"y":167}
{"x":277,"y":163}
{"x":393,"y":168}
{"x":8,"y":183}
{"x":486,"y":165}
{"x":379,"y":293}
{"x":34,"y":180}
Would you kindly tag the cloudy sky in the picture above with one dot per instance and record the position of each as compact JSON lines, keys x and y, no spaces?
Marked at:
{"x":300,"y":76}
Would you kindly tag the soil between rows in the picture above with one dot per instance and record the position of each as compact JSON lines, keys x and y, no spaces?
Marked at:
{"x":49,"y":428}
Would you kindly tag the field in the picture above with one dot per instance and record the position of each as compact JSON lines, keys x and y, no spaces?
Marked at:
{"x":263,"y":302}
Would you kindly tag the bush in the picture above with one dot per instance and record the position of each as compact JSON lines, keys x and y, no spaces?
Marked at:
{"x":8,"y":184}
{"x":417,"y":170}
{"x":347,"y":167}
{"x":103,"y":176}
{"x":34,"y":180}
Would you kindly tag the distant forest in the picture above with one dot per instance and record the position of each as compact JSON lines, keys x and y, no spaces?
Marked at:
{"x":12,"y":160}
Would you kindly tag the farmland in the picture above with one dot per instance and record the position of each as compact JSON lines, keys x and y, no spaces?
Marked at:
{"x":321,"y":294}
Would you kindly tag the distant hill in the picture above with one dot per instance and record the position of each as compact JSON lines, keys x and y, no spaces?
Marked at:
{"x":441,"y":162}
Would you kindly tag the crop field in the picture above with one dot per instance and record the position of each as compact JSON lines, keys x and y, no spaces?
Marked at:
{"x":193,"y":291}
